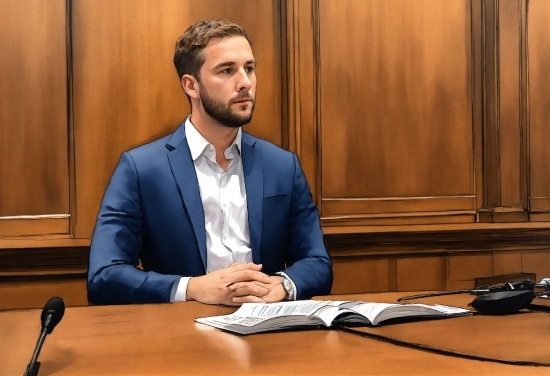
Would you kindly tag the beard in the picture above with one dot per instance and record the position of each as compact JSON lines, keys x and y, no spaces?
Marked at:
{"x":222,"y":113}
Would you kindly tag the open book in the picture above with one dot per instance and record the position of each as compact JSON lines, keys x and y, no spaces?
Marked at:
{"x":262,"y":317}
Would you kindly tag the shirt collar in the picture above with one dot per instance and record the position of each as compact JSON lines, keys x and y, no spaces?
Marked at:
{"x":197,"y":143}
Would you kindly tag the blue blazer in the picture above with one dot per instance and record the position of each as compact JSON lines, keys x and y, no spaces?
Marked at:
{"x":152,"y":212}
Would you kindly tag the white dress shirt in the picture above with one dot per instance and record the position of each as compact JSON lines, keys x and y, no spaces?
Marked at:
{"x":223,"y":197}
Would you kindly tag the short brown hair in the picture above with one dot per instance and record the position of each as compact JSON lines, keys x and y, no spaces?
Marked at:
{"x":187,"y":56}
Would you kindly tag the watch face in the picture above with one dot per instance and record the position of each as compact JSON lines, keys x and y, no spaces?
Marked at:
{"x":287,"y":285}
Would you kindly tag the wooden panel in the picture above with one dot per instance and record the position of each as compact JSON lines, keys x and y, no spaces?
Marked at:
{"x":30,"y":276}
{"x":540,"y":203}
{"x":340,"y":206}
{"x":300,"y":52}
{"x":539,"y":103}
{"x":403,"y":220}
{"x":505,"y":128}
{"x":506,"y":263}
{"x":361,"y":275}
{"x":34,"y":156}
{"x":537,"y":262}
{"x":126,"y":89}
{"x":20,"y":226}
{"x":35,"y":293}
{"x":512,"y":129}
{"x":396,"y":100}
{"x":462,"y":270}
{"x":421,"y":273}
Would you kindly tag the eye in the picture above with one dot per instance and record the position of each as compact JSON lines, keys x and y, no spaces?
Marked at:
{"x":250,"y":69}
{"x":227,"y":70}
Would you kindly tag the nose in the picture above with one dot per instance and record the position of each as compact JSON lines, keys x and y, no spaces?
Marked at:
{"x":244,"y":82}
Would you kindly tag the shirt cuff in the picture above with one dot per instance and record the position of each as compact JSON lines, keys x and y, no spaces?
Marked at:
{"x":294,"y":291}
{"x":179,"y":290}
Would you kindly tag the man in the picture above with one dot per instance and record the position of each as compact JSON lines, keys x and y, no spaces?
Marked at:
{"x":212,"y":214}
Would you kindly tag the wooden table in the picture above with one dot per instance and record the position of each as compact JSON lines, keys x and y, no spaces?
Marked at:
{"x":163,"y":339}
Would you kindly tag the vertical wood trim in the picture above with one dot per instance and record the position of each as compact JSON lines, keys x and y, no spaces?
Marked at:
{"x":500,"y":156}
{"x":316,"y":18}
{"x":292,"y":30}
{"x":477,"y":100}
{"x":524,"y":105}
{"x":301,"y":89}
{"x":285,"y":33}
{"x":491,"y":147}
{"x":70,"y":123}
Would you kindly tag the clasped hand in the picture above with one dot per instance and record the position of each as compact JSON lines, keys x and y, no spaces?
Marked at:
{"x":236,"y":284}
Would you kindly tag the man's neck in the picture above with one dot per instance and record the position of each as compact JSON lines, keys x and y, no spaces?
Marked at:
{"x":217,"y":134}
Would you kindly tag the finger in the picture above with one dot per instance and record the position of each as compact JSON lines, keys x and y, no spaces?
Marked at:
{"x":246,"y":299}
{"x":230,"y":265}
{"x":237,"y":266}
{"x":238,"y":285}
{"x":247,"y":275}
{"x":276,"y":295}
{"x":247,"y":288}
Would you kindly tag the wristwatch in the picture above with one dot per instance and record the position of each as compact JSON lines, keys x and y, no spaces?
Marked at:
{"x":288,"y":287}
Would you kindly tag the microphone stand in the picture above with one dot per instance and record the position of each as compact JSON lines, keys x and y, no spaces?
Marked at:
{"x":427,"y":295}
{"x":34,"y":365}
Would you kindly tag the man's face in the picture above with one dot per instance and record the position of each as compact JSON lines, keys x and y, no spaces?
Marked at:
{"x":228,"y":81}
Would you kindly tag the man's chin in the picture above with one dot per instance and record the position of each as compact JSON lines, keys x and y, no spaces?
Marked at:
{"x":236,"y":121}
{"x":243,"y":118}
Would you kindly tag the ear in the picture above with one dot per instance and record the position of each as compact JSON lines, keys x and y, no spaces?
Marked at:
{"x":190,"y":85}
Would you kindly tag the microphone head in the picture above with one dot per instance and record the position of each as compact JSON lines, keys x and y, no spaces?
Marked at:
{"x":52,"y":313}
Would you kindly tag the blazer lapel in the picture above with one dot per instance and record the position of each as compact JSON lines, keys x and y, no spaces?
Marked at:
{"x":254,"y":184}
{"x":184,"y":173}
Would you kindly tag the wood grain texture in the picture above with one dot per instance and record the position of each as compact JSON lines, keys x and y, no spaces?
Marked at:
{"x":539,"y":104}
{"x":396,"y":101}
{"x":436,"y":260}
{"x":34,"y":171}
{"x":163,"y":339}
{"x":34,"y":293}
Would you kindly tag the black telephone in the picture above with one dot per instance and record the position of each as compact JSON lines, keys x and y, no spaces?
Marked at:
{"x":504,"y":299}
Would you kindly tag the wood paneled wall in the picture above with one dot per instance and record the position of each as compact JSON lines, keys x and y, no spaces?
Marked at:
{"x":398,"y":146}
{"x":420,"y":138}
{"x":421,"y":126}
{"x":538,"y":106}
{"x":34,"y":144}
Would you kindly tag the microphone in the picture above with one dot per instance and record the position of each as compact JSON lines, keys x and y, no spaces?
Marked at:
{"x":52,"y":313}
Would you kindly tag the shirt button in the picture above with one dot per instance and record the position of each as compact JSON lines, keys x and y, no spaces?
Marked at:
{"x":211,"y":148}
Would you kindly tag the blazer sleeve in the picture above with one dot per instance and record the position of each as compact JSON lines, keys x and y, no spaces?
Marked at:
{"x":113,"y":273}
{"x":308,"y":263}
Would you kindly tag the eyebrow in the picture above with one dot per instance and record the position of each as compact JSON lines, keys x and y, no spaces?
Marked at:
{"x":231,"y":63}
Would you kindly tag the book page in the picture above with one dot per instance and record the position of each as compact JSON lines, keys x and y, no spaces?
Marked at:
{"x":332,"y":309}
{"x":254,"y":314}
{"x":268,"y":310}
{"x":378,"y":312}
